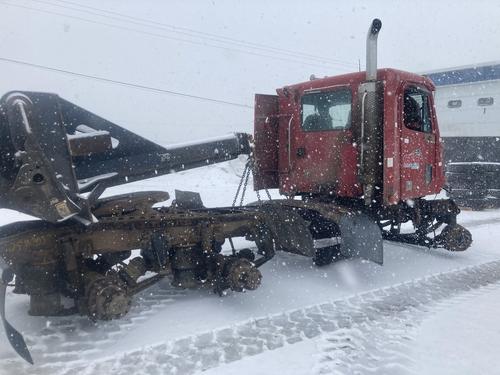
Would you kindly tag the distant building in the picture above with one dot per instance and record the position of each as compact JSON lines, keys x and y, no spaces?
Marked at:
{"x":468,"y":100}
{"x":468,"y":108}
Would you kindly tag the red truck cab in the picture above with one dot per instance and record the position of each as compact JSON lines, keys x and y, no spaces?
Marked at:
{"x":310,"y":138}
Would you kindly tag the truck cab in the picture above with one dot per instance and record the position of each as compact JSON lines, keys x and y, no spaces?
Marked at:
{"x":323,"y":138}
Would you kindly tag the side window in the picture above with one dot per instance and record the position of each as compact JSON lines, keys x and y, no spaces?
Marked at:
{"x":482,"y":102}
{"x":326,"y":110}
{"x":457,"y":103}
{"x":416,"y":111}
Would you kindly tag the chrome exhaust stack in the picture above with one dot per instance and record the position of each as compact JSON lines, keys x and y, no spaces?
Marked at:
{"x":370,"y":137}
{"x":371,"y":50}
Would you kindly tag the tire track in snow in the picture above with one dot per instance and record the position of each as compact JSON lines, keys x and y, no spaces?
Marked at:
{"x":376,"y":324}
{"x":75,"y":340}
{"x":383,"y":346}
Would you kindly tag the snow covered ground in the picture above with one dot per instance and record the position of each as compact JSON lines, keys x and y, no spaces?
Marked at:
{"x":424,"y":311}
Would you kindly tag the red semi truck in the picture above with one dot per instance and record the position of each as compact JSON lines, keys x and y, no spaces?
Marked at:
{"x":365,"y":142}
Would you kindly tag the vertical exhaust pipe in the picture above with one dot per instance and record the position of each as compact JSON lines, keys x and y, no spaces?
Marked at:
{"x":371,"y":50}
{"x":371,"y":134}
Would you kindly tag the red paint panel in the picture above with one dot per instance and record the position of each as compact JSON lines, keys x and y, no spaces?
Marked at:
{"x":316,"y":161}
{"x":328,"y":164}
{"x":405,"y":149}
{"x":419,"y":155}
{"x":416,"y":155}
{"x":391,"y":159}
{"x":348,"y":185}
{"x":266,"y":142}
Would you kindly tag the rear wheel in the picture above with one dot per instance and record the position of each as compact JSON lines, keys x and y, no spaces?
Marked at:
{"x":455,"y":238}
{"x":326,"y":255}
{"x":106,"y":298}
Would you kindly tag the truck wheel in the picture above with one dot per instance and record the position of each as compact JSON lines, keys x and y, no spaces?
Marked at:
{"x":107,"y":299}
{"x":326,"y":255}
{"x":455,"y":238}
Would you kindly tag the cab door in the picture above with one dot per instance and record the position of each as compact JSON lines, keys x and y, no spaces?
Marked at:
{"x":320,"y":143}
{"x":418,"y":143}
{"x":266,"y":142}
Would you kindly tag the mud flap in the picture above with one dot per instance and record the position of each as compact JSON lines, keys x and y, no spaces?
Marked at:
{"x":289,"y":231}
{"x":361,"y":237}
{"x":15,"y":338}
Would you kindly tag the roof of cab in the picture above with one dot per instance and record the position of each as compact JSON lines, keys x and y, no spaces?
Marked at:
{"x":355,"y":78}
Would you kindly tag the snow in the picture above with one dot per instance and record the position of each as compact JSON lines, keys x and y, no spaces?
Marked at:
{"x":83,"y":135}
{"x":463,"y":334}
{"x":227,"y":137}
{"x":84,"y":183}
{"x":298,"y":359}
{"x":164,"y":318}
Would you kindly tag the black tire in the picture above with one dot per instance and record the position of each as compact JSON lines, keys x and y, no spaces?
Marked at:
{"x":326,"y":255}
{"x":455,"y":238}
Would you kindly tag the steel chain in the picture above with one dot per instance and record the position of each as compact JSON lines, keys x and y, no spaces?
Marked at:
{"x":265,"y":189}
{"x":241,"y":183}
{"x":248,"y":171}
{"x":242,"y":186}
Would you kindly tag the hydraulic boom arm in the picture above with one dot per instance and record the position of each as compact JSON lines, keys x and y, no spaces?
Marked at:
{"x":52,"y":151}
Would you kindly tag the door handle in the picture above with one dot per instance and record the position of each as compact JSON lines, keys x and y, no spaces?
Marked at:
{"x":430,"y":138}
{"x":301,"y":152}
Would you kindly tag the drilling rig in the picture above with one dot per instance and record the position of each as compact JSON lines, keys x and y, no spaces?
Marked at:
{"x":353,"y":156}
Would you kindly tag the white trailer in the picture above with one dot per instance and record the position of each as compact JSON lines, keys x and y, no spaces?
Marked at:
{"x":468,"y":107}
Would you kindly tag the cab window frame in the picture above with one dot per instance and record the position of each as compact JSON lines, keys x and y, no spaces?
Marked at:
{"x":417,"y":89}
{"x":339,"y":89}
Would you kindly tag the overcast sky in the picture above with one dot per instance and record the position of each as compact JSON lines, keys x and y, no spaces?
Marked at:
{"x":176,"y":46}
